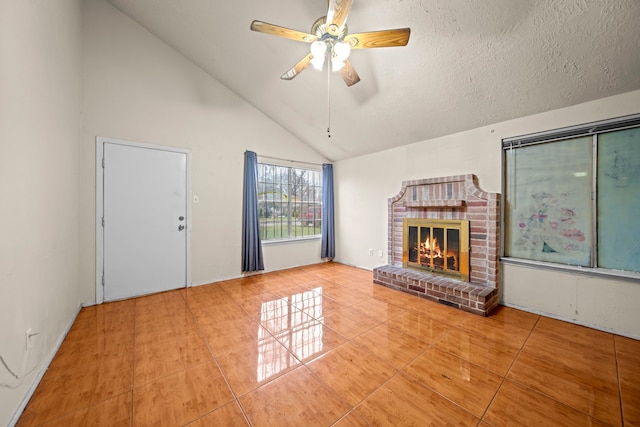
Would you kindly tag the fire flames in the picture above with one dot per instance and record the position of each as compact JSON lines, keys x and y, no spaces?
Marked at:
{"x":430,"y":250}
{"x":429,"y":247}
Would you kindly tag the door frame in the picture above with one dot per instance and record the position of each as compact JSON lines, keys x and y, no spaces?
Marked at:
{"x":100,"y":141}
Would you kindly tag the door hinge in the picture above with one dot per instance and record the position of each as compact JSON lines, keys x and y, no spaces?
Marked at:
{"x":103,"y":221}
{"x":103,"y":280}
{"x":103,"y":163}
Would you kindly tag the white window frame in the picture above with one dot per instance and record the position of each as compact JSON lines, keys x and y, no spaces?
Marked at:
{"x":289,"y":204}
{"x":593,"y":129}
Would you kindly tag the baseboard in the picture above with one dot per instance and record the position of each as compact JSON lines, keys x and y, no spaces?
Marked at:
{"x":568,"y":320}
{"x":360,"y":267}
{"x":257,"y":273}
{"x":43,"y":370}
{"x":208,"y":282}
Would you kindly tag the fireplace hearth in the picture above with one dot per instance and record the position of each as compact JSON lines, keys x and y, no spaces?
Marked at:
{"x":444,"y":243}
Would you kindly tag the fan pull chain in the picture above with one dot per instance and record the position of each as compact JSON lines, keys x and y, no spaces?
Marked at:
{"x":329,"y":101}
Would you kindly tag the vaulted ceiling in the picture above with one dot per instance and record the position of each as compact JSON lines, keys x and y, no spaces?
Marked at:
{"x":467,"y":63}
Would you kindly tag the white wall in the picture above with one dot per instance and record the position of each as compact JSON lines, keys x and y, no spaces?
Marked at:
{"x":137,"y":88}
{"x":40,"y":103}
{"x":71,"y":72}
{"x":364,"y":184}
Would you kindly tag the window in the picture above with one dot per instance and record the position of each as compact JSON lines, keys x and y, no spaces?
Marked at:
{"x":289,"y":202}
{"x":572,"y":196}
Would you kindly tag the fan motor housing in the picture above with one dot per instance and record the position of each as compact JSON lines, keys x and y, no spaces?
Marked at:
{"x":319,"y":28}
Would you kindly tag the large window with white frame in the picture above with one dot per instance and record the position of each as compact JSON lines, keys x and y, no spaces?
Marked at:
{"x":289,"y":202}
{"x":572,"y":196}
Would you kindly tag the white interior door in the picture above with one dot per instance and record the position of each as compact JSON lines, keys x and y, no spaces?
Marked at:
{"x":145,"y":220}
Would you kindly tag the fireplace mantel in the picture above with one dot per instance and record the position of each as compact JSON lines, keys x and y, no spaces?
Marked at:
{"x":433,"y":203}
{"x":454,"y":198}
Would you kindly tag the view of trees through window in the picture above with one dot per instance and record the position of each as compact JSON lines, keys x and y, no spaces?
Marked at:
{"x":289,"y":202}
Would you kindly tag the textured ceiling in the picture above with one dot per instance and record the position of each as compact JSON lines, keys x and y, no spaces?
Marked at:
{"x":467,"y":63}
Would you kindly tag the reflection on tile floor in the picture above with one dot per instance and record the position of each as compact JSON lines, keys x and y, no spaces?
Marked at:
{"x":322,"y":345}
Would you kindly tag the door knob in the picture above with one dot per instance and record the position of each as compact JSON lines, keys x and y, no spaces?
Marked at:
{"x":180,"y":227}
{"x":180,"y":218}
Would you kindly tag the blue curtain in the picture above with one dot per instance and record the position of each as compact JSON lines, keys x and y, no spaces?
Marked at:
{"x":251,"y":243}
{"x":328,"y":249}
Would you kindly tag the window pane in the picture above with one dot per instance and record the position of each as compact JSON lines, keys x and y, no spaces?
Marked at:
{"x":289,"y":200}
{"x":453,"y":249}
{"x":425,"y":246}
{"x":413,"y":244}
{"x":548,"y":211}
{"x":619,"y":200}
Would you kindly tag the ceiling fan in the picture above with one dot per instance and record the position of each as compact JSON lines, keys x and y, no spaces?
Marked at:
{"x":329,"y":37}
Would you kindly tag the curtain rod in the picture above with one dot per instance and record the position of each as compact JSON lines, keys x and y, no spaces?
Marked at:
{"x":289,"y":160}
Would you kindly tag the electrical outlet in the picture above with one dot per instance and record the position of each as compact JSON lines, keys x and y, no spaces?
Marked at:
{"x":380,"y":253}
{"x":370,"y":252}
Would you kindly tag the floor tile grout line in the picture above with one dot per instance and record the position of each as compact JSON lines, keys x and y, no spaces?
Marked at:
{"x":75,"y":411}
{"x":615,"y":352}
{"x":504,"y":378}
{"x":432,"y":344}
{"x":350,"y":411}
{"x":205,"y":341}
{"x":435,"y":346}
{"x":401,"y":372}
{"x":396,"y":373}
{"x":98,"y":370}
{"x":224,"y":375}
{"x":306,"y":363}
{"x":526,"y":386}
{"x":302,"y":363}
{"x":353,"y":407}
{"x":133,"y":385}
{"x":533,"y":390}
{"x":91,"y":404}
{"x":515,"y":357}
{"x":328,"y":388}
{"x":133,"y":367}
{"x":469,"y":361}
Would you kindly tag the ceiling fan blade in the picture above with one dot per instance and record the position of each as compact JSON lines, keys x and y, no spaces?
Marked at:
{"x":384,"y":38}
{"x":275,"y":30}
{"x":297,"y":69}
{"x":337,"y":15}
{"x":349,"y":74}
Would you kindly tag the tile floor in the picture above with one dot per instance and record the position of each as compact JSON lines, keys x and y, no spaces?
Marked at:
{"x":322,"y":345}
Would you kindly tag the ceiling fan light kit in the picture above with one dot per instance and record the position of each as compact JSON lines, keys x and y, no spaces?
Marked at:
{"x":318,"y":54}
{"x":329,"y":36}
{"x":340,"y":53}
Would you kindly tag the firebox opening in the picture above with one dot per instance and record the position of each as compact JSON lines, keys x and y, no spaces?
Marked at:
{"x":439,"y":246}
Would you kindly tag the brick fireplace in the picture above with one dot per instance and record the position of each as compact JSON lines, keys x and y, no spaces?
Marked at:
{"x":447,"y":198}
